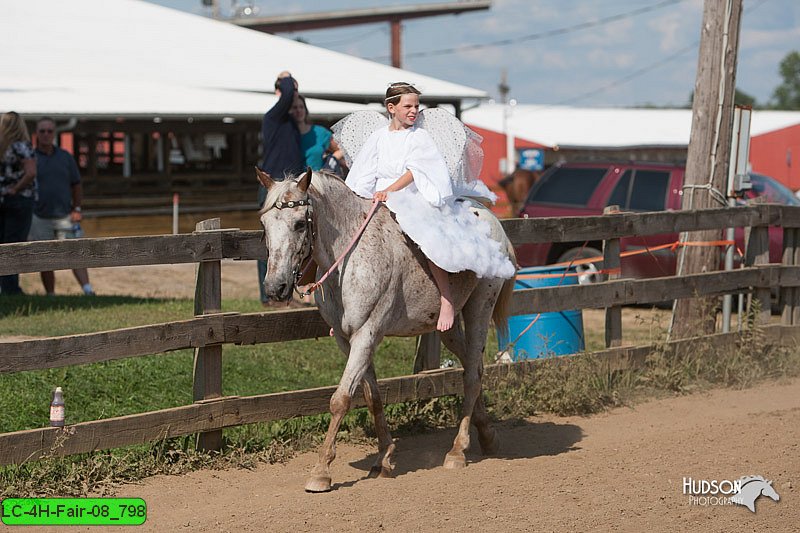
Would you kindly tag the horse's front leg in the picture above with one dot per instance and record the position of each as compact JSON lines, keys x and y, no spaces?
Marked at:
{"x":362,"y":346}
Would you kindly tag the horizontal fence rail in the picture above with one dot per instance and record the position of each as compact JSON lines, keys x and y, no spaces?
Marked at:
{"x":234,"y":328}
{"x":234,"y":244}
{"x":282,"y":326}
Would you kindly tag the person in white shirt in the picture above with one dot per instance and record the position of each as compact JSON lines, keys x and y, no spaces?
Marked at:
{"x":401,"y":165}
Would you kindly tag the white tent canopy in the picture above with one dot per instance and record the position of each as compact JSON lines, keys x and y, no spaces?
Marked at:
{"x":574,"y":127}
{"x":98,"y":55}
{"x":101,"y":99}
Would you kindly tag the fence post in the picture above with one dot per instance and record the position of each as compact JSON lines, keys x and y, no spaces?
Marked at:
{"x":207,"y":372}
{"x":787,"y":293}
{"x":795,"y":293}
{"x":611,"y":260}
{"x":429,"y":352}
{"x":757,"y":253}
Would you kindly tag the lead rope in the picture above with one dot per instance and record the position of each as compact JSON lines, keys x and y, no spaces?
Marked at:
{"x":318,"y":284}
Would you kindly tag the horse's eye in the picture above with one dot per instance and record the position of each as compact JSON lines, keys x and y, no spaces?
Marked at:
{"x":300,"y":225}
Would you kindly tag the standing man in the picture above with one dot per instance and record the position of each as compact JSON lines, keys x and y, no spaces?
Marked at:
{"x":281,"y":148}
{"x":58,"y":208}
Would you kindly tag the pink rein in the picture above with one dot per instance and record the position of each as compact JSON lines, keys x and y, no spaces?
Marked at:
{"x":316,"y":285}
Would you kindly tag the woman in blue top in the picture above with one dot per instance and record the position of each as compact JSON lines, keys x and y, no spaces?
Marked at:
{"x":315,"y":141}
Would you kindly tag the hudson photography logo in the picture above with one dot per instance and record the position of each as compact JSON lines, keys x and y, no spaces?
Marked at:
{"x":743,"y":491}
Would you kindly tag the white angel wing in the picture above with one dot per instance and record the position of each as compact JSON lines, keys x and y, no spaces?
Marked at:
{"x":461,"y":149}
{"x":353,"y":131}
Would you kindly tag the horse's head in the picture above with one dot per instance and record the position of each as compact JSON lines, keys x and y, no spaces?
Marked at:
{"x":286,"y":217}
{"x":769,"y":491}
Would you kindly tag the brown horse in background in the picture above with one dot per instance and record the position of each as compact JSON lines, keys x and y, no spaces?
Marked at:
{"x":516,"y":185}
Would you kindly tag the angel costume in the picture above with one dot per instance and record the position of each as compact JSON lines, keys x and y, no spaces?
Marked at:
{"x":429,"y":209}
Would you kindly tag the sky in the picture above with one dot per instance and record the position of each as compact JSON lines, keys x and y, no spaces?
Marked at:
{"x":588,"y":53}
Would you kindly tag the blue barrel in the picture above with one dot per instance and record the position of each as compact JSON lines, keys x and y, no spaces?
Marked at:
{"x":559,"y":333}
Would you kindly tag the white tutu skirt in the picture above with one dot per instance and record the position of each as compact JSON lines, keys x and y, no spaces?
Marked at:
{"x":451,"y":235}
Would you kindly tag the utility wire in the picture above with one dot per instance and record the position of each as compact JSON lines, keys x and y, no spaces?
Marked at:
{"x":630,"y":76}
{"x":643,"y":70}
{"x":541,"y":35}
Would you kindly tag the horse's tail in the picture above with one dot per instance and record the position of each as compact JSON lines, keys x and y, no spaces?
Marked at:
{"x":503,"y":306}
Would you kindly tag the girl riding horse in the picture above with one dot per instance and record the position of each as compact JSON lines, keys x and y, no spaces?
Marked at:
{"x":401,"y":165}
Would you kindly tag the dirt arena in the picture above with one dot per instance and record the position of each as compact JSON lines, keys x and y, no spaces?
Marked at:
{"x":622,"y":470}
{"x":618,"y":471}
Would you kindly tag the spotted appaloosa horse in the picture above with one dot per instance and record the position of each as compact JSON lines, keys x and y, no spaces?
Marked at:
{"x":383,"y":287}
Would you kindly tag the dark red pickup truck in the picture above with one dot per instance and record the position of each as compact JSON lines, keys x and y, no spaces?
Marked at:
{"x":584,"y":189}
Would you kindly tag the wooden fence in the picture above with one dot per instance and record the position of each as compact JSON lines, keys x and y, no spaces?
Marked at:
{"x":210,"y":329}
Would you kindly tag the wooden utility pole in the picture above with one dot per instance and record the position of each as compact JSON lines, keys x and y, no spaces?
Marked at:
{"x":709,"y":149}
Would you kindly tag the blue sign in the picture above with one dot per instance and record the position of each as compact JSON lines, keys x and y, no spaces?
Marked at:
{"x":531,"y":159}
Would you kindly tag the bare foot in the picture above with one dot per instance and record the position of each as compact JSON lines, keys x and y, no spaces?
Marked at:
{"x":447,"y":315}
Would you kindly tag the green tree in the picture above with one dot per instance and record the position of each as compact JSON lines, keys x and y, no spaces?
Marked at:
{"x":739,"y":98}
{"x":787,"y":94}
{"x":742,"y":98}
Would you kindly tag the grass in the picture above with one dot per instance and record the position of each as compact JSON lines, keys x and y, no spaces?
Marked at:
{"x":562,"y":385}
{"x":140,"y":384}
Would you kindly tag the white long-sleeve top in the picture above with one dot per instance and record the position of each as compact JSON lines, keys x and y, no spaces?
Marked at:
{"x":387,"y":155}
{"x":444,"y":228}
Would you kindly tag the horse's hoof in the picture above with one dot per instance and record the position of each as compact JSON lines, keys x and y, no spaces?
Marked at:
{"x":490,"y":446}
{"x":453,"y":461}
{"x":380,"y":471}
{"x":318,"y":484}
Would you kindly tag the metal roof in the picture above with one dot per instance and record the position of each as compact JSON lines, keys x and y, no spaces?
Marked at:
{"x":327,"y":19}
{"x":575,"y":127}
{"x":98,"y":54}
{"x":141,"y":99}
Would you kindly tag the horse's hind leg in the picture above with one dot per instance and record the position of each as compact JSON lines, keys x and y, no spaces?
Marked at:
{"x":358,"y":361}
{"x":455,"y":341}
{"x":476,"y":313}
{"x":383,"y":466}
{"x":487,"y":436}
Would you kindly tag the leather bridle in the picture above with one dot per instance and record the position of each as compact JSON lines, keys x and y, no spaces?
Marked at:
{"x":305,"y":254}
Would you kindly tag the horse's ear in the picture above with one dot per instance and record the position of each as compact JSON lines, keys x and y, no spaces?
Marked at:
{"x":305,"y":181}
{"x":265,"y":179}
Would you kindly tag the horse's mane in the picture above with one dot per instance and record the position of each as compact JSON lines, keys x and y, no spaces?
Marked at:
{"x":326,"y":183}
{"x":274,"y":192}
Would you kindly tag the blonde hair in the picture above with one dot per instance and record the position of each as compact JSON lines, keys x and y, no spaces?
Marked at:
{"x":12,"y":129}
{"x":397,"y":90}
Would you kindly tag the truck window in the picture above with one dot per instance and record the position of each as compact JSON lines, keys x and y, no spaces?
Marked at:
{"x":572,"y":186}
{"x":649,"y":191}
{"x":620,"y":194}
